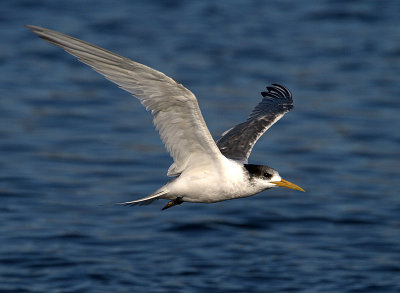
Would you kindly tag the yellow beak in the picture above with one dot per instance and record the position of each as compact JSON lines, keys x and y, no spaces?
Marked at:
{"x":288,"y":184}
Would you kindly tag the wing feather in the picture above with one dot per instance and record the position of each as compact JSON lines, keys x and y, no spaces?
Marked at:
{"x":177,"y":115}
{"x":237,"y":142}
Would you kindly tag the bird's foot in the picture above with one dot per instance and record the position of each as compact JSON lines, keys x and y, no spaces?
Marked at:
{"x":173,"y":202}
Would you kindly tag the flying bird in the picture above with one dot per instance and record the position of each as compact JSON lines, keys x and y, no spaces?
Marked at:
{"x":204,"y":171}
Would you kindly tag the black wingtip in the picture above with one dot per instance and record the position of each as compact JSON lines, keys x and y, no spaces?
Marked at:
{"x":277,"y":91}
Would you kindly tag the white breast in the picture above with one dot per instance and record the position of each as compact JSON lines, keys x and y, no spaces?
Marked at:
{"x":205,"y":183}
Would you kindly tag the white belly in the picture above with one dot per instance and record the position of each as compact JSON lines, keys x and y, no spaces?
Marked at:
{"x":211,"y":185}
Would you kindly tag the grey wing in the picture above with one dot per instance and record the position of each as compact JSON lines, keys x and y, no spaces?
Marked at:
{"x":177,"y":115}
{"x":237,"y":142}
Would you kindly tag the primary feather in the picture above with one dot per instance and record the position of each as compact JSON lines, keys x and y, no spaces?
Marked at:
{"x":176,"y":113}
{"x":237,"y":142}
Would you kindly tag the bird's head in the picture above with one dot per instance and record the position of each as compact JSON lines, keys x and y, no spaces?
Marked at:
{"x":266,"y":177}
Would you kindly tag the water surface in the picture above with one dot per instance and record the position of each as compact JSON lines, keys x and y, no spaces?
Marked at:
{"x":72,"y":144}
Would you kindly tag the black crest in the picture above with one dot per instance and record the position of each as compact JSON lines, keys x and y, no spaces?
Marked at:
{"x":259,"y":171}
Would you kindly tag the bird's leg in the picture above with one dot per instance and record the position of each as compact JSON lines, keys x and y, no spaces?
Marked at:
{"x":173,"y":202}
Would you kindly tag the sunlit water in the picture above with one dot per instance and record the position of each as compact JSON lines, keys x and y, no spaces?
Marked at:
{"x":73,"y":144}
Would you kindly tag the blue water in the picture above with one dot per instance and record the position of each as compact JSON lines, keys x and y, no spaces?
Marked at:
{"x":72,"y":144}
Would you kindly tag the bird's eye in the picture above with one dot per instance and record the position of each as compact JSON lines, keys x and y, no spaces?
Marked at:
{"x":267,"y":175}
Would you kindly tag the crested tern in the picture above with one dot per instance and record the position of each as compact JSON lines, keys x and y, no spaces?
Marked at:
{"x":204,"y":171}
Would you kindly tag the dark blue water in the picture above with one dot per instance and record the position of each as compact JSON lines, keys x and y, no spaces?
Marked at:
{"x":72,"y":144}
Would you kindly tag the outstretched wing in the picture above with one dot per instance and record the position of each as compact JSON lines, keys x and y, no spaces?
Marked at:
{"x":237,"y":142}
{"x":176,"y":112}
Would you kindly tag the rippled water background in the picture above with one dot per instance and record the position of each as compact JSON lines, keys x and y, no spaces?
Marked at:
{"x":72,"y":144}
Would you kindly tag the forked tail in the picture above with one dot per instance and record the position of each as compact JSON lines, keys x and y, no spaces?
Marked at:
{"x":146,"y":200}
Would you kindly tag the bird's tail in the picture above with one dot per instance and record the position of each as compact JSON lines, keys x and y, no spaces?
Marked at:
{"x":146,"y":200}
